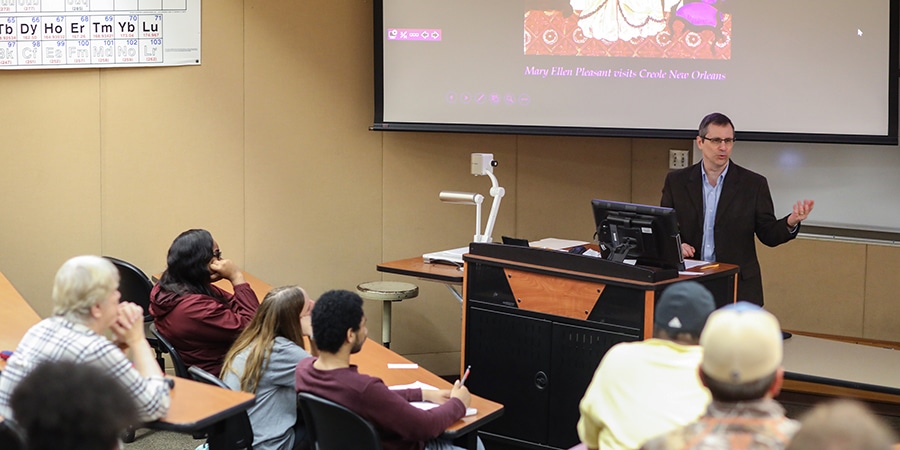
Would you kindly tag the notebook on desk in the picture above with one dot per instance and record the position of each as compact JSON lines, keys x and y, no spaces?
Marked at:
{"x":556,"y":243}
{"x":454,"y":256}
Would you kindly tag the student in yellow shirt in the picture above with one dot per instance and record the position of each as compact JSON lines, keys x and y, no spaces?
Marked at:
{"x":642,"y":389}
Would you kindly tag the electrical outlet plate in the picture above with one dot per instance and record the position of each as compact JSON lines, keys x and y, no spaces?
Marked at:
{"x":679,"y":159}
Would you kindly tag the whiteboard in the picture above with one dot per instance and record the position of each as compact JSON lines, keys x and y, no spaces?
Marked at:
{"x":855,"y":187}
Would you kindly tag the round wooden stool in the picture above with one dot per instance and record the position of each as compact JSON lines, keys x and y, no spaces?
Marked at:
{"x":387,"y":292}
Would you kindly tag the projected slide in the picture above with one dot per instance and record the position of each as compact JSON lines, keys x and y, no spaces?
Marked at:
{"x":699,"y":29}
{"x":798,"y":68}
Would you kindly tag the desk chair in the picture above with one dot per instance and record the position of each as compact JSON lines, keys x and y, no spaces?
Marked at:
{"x":166,"y":347}
{"x":135,"y":287}
{"x":332,"y":426}
{"x":233,"y":433}
{"x":161,"y":345}
{"x":387,"y":292}
{"x":11,"y":437}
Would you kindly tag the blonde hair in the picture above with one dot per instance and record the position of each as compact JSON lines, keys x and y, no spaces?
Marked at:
{"x":278,"y":315}
{"x":842,"y":424}
{"x":81,"y":283}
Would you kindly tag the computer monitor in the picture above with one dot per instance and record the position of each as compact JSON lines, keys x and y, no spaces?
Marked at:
{"x":646,"y":233}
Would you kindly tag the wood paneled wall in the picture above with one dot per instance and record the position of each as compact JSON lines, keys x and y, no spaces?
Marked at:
{"x":266,"y":145}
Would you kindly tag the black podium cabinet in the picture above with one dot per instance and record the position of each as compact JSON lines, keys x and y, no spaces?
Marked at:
{"x":537,"y":322}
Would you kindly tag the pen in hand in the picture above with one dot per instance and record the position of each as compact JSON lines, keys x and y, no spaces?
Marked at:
{"x":462,"y":382}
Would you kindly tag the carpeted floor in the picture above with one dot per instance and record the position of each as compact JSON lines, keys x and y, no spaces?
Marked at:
{"x":147,"y":439}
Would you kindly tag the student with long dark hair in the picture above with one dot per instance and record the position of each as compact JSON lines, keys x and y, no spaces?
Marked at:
{"x":200,"y":319}
{"x":262,"y":361}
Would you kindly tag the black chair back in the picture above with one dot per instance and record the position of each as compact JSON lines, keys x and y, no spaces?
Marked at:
{"x":134,"y":285}
{"x":203,"y":376}
{"x":233,"y":433}
{"x":332,"y":426}
{"x":166,"y":347}
{"x":11,"y":437}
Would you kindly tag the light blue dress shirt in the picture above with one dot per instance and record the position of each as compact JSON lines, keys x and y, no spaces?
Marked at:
{"x":710,"y":205}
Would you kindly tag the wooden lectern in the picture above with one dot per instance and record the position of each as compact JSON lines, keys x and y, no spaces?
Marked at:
{"x":537,"y":322}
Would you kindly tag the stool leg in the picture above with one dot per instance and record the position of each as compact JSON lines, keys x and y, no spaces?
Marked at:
{"x":386,"y":324}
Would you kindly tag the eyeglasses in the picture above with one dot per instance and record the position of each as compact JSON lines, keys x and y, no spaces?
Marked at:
{"x":218,"y":254}
{"x":719,"y":141}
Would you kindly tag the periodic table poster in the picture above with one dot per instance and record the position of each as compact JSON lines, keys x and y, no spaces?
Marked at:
{"x":68,"y":34}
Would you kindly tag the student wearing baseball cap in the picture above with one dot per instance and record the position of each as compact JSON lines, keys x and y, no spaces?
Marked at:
{"x":645,"y":388}
{"x":741,"y":366}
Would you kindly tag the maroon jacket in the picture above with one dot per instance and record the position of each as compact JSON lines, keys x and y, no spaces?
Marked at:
{"x":401,"y":426}
{"x":200,"y":327}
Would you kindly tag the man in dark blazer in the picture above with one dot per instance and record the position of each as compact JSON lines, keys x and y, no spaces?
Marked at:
{"x":721,"y":206}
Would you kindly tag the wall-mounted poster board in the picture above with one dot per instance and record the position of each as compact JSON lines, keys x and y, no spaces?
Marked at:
{"x":56,"y":34}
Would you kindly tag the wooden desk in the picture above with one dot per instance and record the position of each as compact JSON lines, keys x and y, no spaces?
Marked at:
{"x":827,"y":367}
{"x":196,"y":406}
{"x":16,"y":317}
{"x":416,"y":267}
{"x":448,"y":274}
{"x":373,"y":360}
{"x":259,"y":286}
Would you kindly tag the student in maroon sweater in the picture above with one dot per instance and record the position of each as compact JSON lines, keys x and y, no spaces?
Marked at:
{"x":339,"y":329}
{"x":199,"y":319}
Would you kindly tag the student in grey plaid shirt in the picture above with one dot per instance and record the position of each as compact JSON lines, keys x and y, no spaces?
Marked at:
{"x":85,"y":308}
